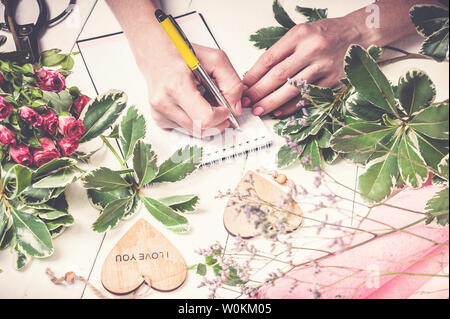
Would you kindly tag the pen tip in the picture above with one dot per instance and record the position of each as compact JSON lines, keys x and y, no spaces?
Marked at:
{"x":160,"y":15}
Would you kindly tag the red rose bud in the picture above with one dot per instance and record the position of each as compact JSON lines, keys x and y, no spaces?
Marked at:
{"x":2,"y":80}
{"x":46,"y":152}
{"x":30,"y":116}
{"x":7,"y":136}
{"x":80,"y":103}
{"x":52,"y":81}
{"x":5,"y":108}
{"x":21,"y":155}
{"x":50,"y":122}
{"x":71,"y":128}
{"x":68,"y":146}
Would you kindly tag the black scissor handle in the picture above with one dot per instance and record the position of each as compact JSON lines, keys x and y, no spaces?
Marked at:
{"x":28,"y":34}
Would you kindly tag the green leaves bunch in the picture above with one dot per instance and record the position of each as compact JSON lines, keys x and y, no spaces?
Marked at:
{"x":432,"y":22}
{"x":264,"y":38}
{"x":33,"y":207}
{"x":118,"y":193}
{"x":308,"y":133}
{"x":398,"y":132}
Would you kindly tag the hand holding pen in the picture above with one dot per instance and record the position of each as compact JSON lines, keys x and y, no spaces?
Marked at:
{"x":175,"y":100}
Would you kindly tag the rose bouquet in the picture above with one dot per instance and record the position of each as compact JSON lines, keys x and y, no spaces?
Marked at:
{"x":42,"y":123}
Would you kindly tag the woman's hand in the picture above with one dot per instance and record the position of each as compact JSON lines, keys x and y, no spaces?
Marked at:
{"x":313,"y":52}
{"x":175,"y":99}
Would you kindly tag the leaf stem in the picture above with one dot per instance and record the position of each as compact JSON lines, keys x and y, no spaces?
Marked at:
{"x":111,"y":148}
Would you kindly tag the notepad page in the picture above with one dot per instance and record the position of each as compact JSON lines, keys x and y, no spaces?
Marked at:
{"x":111,"y":65}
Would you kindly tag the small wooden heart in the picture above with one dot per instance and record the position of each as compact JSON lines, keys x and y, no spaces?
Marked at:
{"x":143,"y":254}
{"x":254,"y":188}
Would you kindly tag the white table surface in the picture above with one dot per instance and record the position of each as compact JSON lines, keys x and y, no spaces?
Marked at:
{"x":82,"y":250}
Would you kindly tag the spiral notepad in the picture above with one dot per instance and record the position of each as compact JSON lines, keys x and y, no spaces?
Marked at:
{"x":111,"y":65}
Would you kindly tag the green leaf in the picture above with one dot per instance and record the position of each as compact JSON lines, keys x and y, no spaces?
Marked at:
{"x":100,"y":199}
{"x":6,"y":225}
{"x":144,"y":163}
{"x":166,"y":215}
{"x":311,"y":156}
{"x":132,"y":128}
{"x":266,"y":37}
{"x":181,"y":203}
{"x":286,"y":157}
{"x":31,"y":234}
{"x":359,"y":136}
{"x":437,"y":207}
{"x":411,"y":164}
{"x":312,"y":14}
{"x":67,"y":63}
{"x":102,"y":113}
{"x":60,"y":102}
{"x":436,"y":46}
{"x":62,"y":178}
{"x":432,"y":122}
{"x":52,"y":167}
{"x":112,"y":214}
{"x":182,"y":163}
{"x":104,"y":180}
{"x":428,"y":18}
{"x":210,"y":260}
{"x":22,"y":257}
{"x":443,"y":168}
{"x":365,"y":75}
{"x":31,"y":195}
{"x":432,"y":150}
{"x":380,"y":178}
{"x":201,"y":269}
{"x":281,"y":16}
{"x":416,"y":91}
{"x":324,"y":138}
{"x":51,"y":60}
{"x":329,"y":155}
{"x":23,"y":178}
{"x":314,"y":124}
{"x":321,"y":96}
{"x":375,"y":52}
{"x":66,"y":220}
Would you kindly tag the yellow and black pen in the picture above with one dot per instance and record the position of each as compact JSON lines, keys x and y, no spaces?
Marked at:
{"x":183,"y":46}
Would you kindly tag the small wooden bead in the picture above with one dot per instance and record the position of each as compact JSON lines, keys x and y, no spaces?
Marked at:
{"x":69,"y":277}
{"x":281,"y":179}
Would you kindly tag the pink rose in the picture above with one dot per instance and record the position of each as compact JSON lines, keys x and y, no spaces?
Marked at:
{"x":30,"y":116}
{"x":80,"y":103}
{"x":7,"y":136}
{"x":46,"y":152}
{"x":52,"y":81}
{"x":71,"y":128}
{"x":50,"y":122}
{"x":68,"y":146}
{"x":21,"y":155}
{"x":5,"y":108}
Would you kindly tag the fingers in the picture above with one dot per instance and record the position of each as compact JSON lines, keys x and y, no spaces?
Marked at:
{"x":286,"y":93}
{"x":213,"y":120}
{"x":276,"y":77}
{"x":217,"y":64}
{"x":277,"y":53}
{"x":287,"y":109}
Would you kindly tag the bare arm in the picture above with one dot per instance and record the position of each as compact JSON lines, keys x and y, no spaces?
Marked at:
{"x":174,"y":98}
{"x":315,"y":52}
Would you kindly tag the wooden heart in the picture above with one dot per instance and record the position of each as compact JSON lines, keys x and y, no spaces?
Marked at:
{"x":143,"y":253}
{"x":237,"y":222}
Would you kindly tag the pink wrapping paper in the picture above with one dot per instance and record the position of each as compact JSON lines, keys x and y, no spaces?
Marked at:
{"x":366,"y":271}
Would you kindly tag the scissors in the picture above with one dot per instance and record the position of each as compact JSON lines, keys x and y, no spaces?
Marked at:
{"x":27,"y":35}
